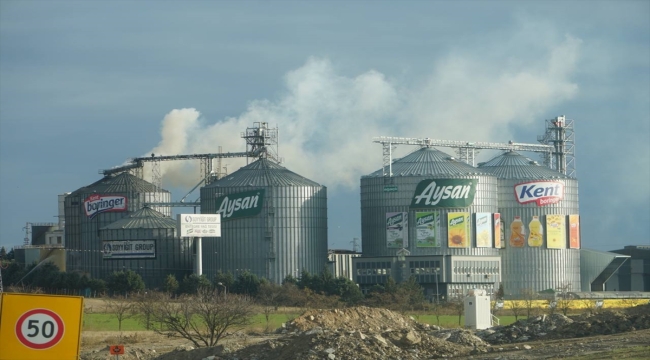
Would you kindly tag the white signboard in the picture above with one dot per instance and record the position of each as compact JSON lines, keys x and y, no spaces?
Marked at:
{"x":199,"y":225}
{"x":129,"y":249}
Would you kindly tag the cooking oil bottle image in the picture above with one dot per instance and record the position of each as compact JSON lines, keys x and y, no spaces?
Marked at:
{"x":536,"y":236}
{"x":517,"y":233}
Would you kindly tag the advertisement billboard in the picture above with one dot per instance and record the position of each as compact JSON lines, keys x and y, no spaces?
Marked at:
{"x":536,"y":232}
{"x":198,"y":225}
{"x":574,"y":231}
{"x":483,"y":230}
{"x":427,"y":229}
{"x":96,"y":204}
{"x":555,"y":231}
{"x":444,"y":193}
{"x":128,"y":249}
{"x":498,"y":230}
{"x":540,"y":192}
{"x":243,"y":204}
{"x":517,"y":233}
{"x":397,"y":230}
{"x":459,"y":228}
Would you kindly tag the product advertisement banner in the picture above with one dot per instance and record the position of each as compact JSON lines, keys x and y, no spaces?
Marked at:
{"x":517,"y":233}
{"x":498,"y":231}
{"x":483,"y":230}
{"x":96,"y":204}
{"x":459,"y":228}
{"x":441,"y":193}
{"x":243,"y":204}
{"x":540,"y":192}
{"x":427,"y":229}
{"x":574,"y":231}
{"x":536,"y":235}
{"x":129,"y":249}
{"x":556,"y":231}
{"x":397,"y":230}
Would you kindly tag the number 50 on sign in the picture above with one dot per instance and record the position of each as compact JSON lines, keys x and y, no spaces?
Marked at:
{"x":40,"y":326}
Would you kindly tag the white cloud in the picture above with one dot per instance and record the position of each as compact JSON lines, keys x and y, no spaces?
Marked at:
{"x":327,"y":120}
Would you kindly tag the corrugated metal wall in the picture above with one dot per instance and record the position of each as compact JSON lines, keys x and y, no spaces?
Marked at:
{"x":289,"y":235}
{"x":534,"y":268}
{"x":173,"y":256}
{"x":82,"y":233}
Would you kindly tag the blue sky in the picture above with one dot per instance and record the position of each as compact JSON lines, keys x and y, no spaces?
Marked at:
{"x":86,"y":85}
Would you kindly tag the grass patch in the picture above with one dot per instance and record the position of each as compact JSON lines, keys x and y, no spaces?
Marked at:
{"x":451,"y":321}
{"x":108,"y":322}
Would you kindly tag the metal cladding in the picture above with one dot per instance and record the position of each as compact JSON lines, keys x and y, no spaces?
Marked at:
{"x":544,"y":259}
{"x":93,"y":207}
{"x":145,"y":242}
{"x":381,"y":195}
{"x":273,"y":223}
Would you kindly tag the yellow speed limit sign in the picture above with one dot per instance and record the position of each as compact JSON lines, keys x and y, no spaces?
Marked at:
{"x":40,"y":326}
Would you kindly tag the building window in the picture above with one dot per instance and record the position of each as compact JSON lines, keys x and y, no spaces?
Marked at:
{"x":58,"y":239}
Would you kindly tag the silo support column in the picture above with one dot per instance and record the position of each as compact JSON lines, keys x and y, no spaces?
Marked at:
{"x":199,"y":256}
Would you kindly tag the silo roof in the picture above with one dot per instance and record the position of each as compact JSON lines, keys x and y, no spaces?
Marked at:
{"x":512,"y":165}
{"x":122,"y":182}
{"x":263,"y":172}
{"x":429,"y":161}
{"x":145,"y":218}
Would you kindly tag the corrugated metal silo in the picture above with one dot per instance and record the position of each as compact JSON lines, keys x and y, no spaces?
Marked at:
{"x":382,"y":195}
{"x":145,"y":242}
{"x":542,"y":199}
{"x":97,"y":205}
{"x":273,"y":223}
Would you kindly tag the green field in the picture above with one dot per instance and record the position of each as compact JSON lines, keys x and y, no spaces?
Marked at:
{"x":108,"y":322}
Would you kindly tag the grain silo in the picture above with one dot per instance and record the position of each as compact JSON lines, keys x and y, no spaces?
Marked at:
{"x":146,"y":243}
{"x":421,"y":222}
{"x":382,"y":196}
{"x":273,"y":222}
{"x":90,"y":208}
{"x":539,"y":210}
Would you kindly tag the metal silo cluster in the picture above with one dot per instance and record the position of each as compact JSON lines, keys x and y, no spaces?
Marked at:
{"x":100,"y":204}
{"x":146,"y":243}
{"x":539,"y":211}
{"x":382,"y":196}
{"x":273,"y":223}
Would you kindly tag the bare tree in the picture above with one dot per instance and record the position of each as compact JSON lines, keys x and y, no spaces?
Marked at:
{"x":564,"y":298}
{"x":457,"y":304}
{"x":513,"y":306}
{"x":528,"y":297}
{"x":203,"y":318}
{"x":269,"y":296}
{"x":144,"y":309}
{"x":120,"y":308}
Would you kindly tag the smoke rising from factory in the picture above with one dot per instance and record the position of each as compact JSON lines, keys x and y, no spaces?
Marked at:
{"x":326,"y":120}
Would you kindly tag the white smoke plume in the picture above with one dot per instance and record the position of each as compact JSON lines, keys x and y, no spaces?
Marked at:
{"x":326,"y":121}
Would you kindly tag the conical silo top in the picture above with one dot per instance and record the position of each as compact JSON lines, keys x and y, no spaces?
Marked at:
{"x":512,"y":165}
{"x":120,"y":183}
{"x":429,"y":161}
{"x":145,"y":218}
{"x":263,"y":172}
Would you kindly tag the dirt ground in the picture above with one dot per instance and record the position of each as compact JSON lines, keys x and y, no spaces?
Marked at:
{"x":369,"y":334}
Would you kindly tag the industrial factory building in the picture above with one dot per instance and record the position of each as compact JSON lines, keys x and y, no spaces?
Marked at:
{"x":450,"y":223}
